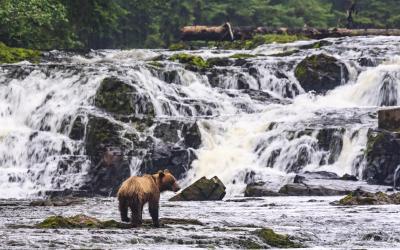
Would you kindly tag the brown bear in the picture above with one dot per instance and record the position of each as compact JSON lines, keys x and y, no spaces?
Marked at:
{"x":136,"y":191}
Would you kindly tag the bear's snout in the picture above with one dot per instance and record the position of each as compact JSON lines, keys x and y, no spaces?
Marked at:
{"x":176,"y":187}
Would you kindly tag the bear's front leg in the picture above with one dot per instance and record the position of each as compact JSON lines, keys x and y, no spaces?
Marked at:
{"x":153,"y":209}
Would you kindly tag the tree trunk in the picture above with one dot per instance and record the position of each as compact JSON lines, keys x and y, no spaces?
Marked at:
{"x":227,"y":33}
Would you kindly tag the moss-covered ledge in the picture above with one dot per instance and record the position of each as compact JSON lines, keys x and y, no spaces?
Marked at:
{"x":14,"y":55}
{"x":82,"y":221}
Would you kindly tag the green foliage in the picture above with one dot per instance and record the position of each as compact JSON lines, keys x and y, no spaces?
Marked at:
{"x":13,"y":55}
{"x":48,"y":24}
{"x":192,"y":60}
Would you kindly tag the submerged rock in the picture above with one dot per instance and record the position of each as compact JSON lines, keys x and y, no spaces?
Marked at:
{"x":359,"y":197}
{"x":202,"y":190}
{"x":321,"y":73}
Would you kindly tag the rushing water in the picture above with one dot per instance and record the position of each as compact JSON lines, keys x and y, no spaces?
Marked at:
{"x":268,"y":132}
{"x":241,"y":134}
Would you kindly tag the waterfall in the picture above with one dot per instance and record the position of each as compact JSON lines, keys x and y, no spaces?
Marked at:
{"x":256,"y":121}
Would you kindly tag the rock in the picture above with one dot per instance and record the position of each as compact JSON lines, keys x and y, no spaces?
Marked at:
{"x":366,"y":62}
{"x":275,"y":240}
{"x":359,"y":197}
{"x":77,"y":131}
{"x":382,"y":158}
{"x":388,"y":93}
{"x":82,"y":221}
{"x":348,"y":177}
{"x":56,"y":202}
{"x":389,"y":119}
{"x":331,"y":140}
{"x":117,"y":97}
{"x":220,"y":61}
{"x":107,"y":151}
{"x":161,"y":155}
{"x":259,"y":189}
{"x":321,"y":73}
{"x":301,"y":189}
{"x":202,"y":190}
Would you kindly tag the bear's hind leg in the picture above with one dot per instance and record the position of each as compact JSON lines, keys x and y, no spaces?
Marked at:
{"x":136,"y":209}
{"x":123,"y":209}
{"x":153,"y":209}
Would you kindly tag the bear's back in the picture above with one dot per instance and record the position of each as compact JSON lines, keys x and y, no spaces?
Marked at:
{"x":138,"y":186}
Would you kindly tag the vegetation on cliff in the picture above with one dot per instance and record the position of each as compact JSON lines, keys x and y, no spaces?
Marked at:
{"x":49,"y":24}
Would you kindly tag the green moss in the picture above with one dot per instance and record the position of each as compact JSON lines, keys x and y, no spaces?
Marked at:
{"x":178,"y":46}
{"x":115,"y":96}
{"x":249,"y":244}
{"x":373,"y":138}
{"x":286,"y":53}
{"x":300,"y":71}
{"x":83,"y":221}
{"x":14,"y":55}
{"x":273,"y":239}
{"x":260,"y":40}
{"x":155,"y":64}
{"x":192,"y":60}
{"x":242,"y":56}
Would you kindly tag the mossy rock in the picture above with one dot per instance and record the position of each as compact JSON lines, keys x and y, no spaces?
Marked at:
{"x":202,"y":190}
{"x":321,"y":73}
{"x":359,"y":197}
{"x":273,"y":239}
{"x":178,"y":46}
{"x":193,"y":61}
{"x":260,"y":40}
{"x":242,"y":56}
{"x":14,"y":55}
{"x":117,"y":97}
{"x":82,"y":221}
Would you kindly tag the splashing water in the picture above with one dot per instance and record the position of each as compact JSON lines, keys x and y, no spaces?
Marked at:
{"x":245,"y":136}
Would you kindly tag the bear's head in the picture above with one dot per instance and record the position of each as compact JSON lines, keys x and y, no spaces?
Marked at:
{"x":166,"y":181}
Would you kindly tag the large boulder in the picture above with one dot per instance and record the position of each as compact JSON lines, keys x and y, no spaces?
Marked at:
{"x":120,"y":98}
{"x":321,"y":73}
{"x":389,"y":119}
{"x":171,"y":146}
{"x":382,"y":158}
{"x":359,"y":197}
{"x":301,"y":189}
{"x":202,"y":190}
{"x":108,"y":152}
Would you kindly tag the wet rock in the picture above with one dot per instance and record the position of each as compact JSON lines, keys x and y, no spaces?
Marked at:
{"x":202,"y":190}
{"x":321,"y":73}
{"x":382,"y":158}
{"x":171,"y":76}
{"x":117,"y":97}
{"x":276,"y":240}
{"x":331,"y":140}
{"x":77,"y":131}
{"x":259,"y":189}
{"x":388,"y":94}
{"x":178,"y":159}
{"x":56,"y":202}
{"x":389,"y":119}
{"x":360,"y":197}
{"x":366,"y":62}
{"x":220,"y":61}
{"x":348,"y":177}
{"x":106,"y":149}
{"x":301,"y":189}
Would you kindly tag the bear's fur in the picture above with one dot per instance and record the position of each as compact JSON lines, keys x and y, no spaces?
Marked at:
{"x":136,"y":191}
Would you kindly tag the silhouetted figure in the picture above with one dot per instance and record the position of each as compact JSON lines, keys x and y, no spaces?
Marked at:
{"x":350,"y":12}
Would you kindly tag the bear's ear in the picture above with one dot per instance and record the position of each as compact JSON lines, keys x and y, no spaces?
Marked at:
{"x":166,"y":171}
{"x":161,"y":174}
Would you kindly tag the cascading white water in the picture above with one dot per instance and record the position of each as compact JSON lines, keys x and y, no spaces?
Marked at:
{"x":243,"y":137}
